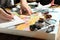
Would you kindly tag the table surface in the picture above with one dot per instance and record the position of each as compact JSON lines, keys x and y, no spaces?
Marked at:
{"x":32,"y":21}
{"x":26,"y":25}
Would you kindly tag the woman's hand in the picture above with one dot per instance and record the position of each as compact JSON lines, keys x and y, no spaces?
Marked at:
{"x":25,"y":7}
{"x":5,"y":16}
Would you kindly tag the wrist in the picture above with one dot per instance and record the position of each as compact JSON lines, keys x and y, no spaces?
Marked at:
{"x":24,"y":2}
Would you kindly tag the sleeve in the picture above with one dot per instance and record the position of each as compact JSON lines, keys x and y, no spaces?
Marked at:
{"x":3,"y":2}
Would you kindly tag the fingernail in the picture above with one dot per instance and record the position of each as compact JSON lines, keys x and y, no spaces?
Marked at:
{"x":12,"y":18}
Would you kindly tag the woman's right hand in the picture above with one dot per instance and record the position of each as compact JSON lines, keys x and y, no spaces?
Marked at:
{"x":5,"y":16}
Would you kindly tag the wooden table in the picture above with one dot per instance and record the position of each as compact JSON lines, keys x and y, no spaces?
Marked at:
{"x":58,"y":37}
{"x":32,"y":21}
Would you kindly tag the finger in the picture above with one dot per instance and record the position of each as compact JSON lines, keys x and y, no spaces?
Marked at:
{"x":4,"y":18}
{"x":10,"y":15}
{"x":7,"y":16}
{"x":21,"y":11}
{"x":29,"y":11}
{"x":3,"y":13}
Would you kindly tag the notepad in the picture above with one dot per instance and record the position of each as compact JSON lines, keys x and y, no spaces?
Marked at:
{"x":15,"y":21}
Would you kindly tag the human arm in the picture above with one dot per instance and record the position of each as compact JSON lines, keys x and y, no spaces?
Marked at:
{"x":25,"y":7}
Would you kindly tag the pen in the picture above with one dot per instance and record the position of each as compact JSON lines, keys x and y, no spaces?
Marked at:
{"x":6,"y":11}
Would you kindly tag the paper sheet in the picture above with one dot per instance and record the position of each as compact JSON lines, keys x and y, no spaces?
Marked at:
{"x":15,"y":21}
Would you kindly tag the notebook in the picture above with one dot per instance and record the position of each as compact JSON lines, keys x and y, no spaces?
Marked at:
{"x":15,"y":21}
